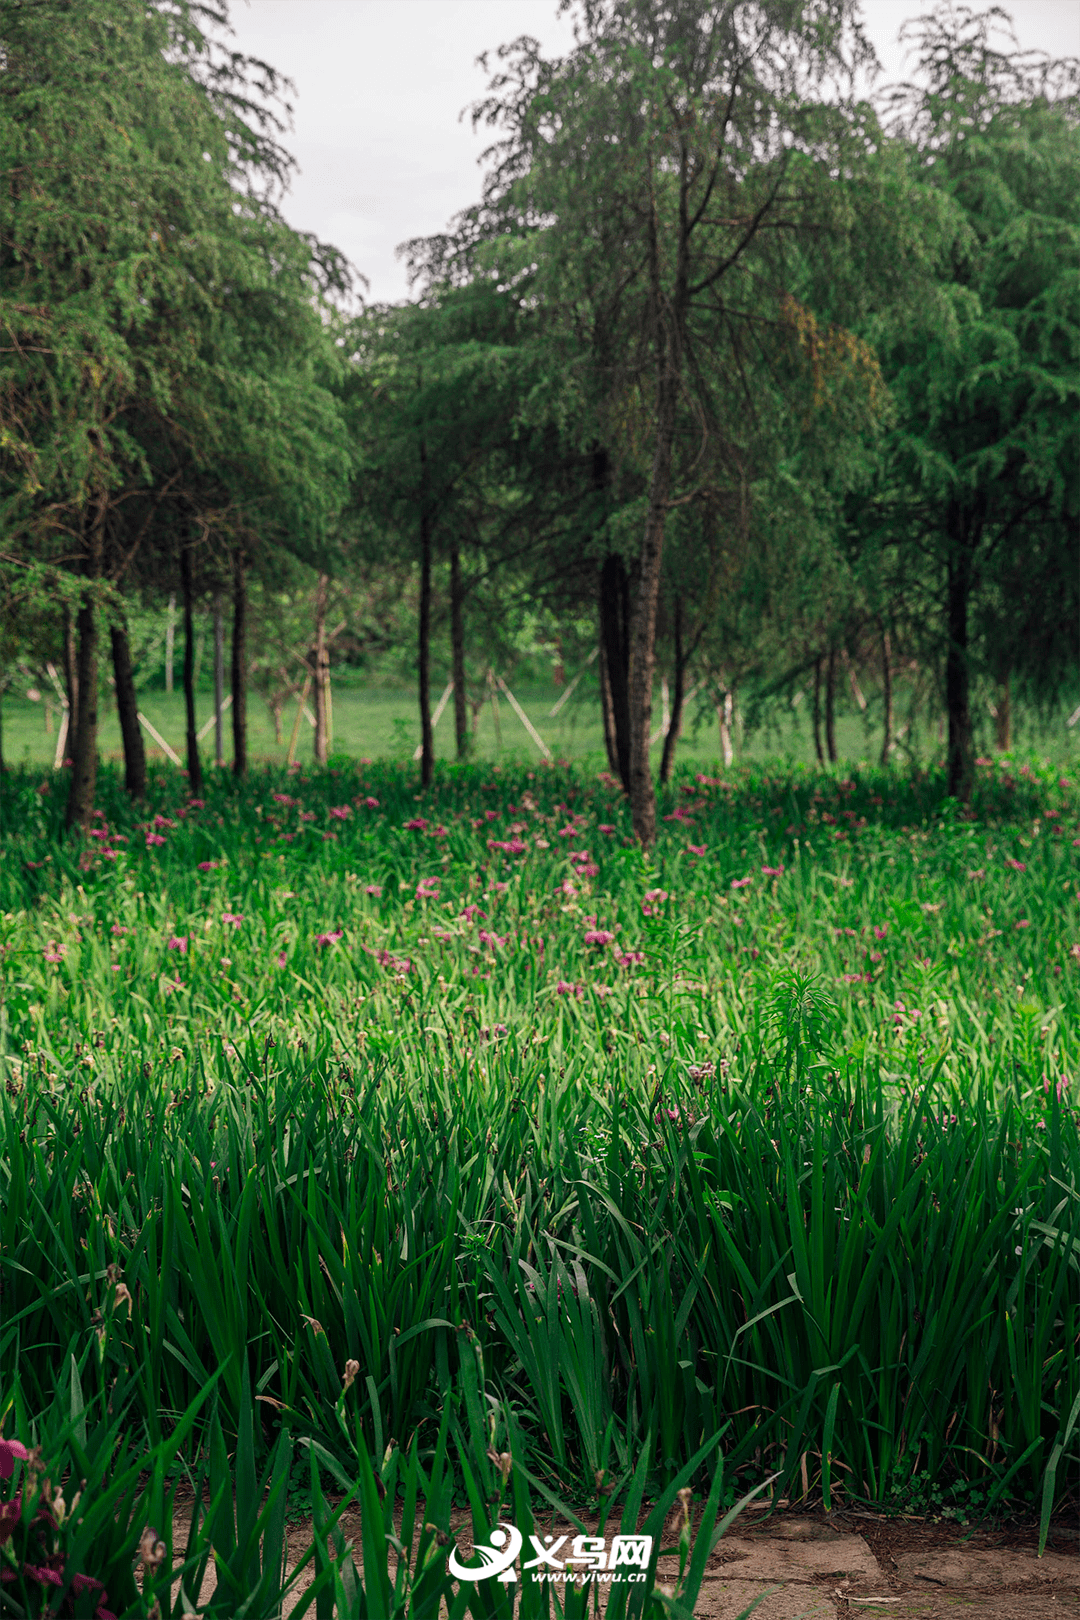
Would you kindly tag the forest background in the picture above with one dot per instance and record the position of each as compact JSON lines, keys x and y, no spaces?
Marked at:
{"x":739,"y":395}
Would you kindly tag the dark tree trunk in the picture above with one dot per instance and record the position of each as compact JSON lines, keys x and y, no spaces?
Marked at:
{"x":238,"y":671}
{"x":194,"y":765}
{"x":427,"y":742}
{"x":960,"y":763}
{"x":457,"y":654}
{"x":127,"y":709}
{"x":80,"y":803}
{"x":71,"y":680}
{"x":886,"y":688}
{"x":607,"y":715}
{"x":322,"y":671}
{"x":1003,"y":717}
{"x":615,"y":653}
{"x":830,"y":705}
{"x":219,"y":683}
{"x":819,"y":752}
{"x":668,"y":316}
{"x":675,"y":723}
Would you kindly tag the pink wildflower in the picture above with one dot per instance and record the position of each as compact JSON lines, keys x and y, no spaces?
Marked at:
{"x":1023,"y":923}
{"x":232,"y":917}
{"x":1017,"y":866}
{"x":196,"y":804}
{"x":370,"y":804}
{"x":653,"y":900}
{"x":329,"y":939}
{"x":341,"y":812}
{"x":178,"y":942}
{"x":880,"y":930}
{"x":118,"y":929}
{"x":209,"y":866}
{"x":282,"y":798}
{"x":599,"y":936}
{"x":307,"y":815}
{"x":427,"y":888}
{"x":628,"y":959}
{"x":163,"y":821}
{"x":740,"y":883}
{"x":605,"y":827}
{"x":772,"y":871}
{"x":565,"y":988}
{"x":9,"y":1451}
{"x":375,"y":890}
{"x":55,"y":953}
{"x":493,"y":940}
{"x":696,"y":849}
{"x":153,"y":838}
{"x":417,"y":824}
{"x":491,"y":815}
{"x":471,"y":913}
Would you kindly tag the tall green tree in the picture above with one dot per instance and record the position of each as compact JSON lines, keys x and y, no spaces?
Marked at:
{"x":162,"y":324}
{"x":979,"y":494}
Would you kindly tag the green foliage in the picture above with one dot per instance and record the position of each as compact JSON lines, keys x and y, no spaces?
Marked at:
{"x":654,"y":1179}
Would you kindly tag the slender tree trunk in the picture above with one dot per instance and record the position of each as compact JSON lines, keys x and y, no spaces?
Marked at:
{"x":1003,"y":717}
{"x":668,"y":320}
{"x":725,"y":713}
{"x":322,"y":670}
{"x":961,"y":752}
{"x":219,"y":683}
{"x":615,"y":652}
{"x":607,"y":715}
{"x":238,"y":672}
{"x":194,"y":765}
{"x":830,"y":705}
{"x":127,"y":709}
{"x":667,"y":759}
{"x":457,"y":654}
{"x":71,"y":679}
{"x":170,"y":641}
{"x":886,"y":686}
{"x":427,"y":739}
{"x":818,"y":751}
{"x":80,"y":803}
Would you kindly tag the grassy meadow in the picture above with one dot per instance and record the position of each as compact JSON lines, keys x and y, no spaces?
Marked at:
{"x":762,"y":1149}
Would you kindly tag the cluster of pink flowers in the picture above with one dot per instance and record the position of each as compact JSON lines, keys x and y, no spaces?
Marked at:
{"x":1017,"y":866}
{"x":323,"y":940}
{"x":178,"y":942}
{"x":565,"y":988}
{"x":773,"y":871}
{"x":417,"y":824}
{"x":427,"y":889}
{"x":494,"y":940}
{"x":629,"y":959}
{"x":599,"y":936}
{"x":232,"y":917}
{"x":374,"y":889}
{"x":369,"y":803}
{"x":209,"y":866}
{"x":54,"y":952}
{"x":341,"y":812}
{"x":653,"y":900}
{"x":740,"y":883}
{"x":509,"y":846}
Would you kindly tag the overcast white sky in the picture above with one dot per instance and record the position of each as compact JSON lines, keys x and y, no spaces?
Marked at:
{"x":380,"y":84}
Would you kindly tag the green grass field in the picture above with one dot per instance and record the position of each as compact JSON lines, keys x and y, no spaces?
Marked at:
{"x":763,"y":1148}
{"x":379,"y":720}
